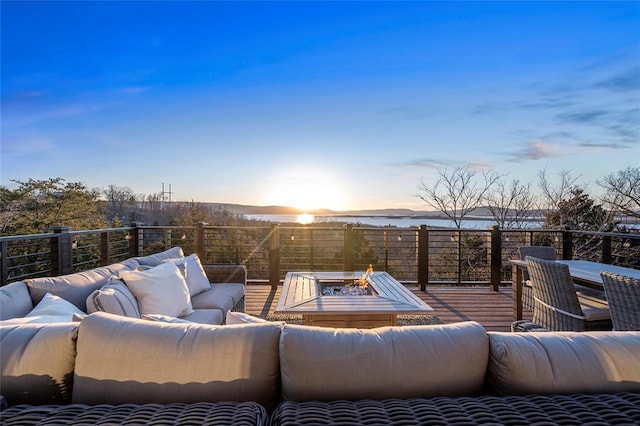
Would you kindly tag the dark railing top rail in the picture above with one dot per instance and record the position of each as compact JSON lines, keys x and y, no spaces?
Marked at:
{"x":469,"y":256}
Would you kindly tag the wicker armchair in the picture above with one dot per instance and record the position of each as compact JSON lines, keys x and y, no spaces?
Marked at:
{"x":623,"y":295}
{"x":541,"y":252}
{"x":556,"y":304}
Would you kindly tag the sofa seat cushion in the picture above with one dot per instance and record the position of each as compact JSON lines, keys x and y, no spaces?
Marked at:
{"x":564,"y":362}
{"x":600,"y":409}
{"x":389,"y":362}
{"x":76,"y":287}
{"x":205,"y":316}
{"x":220,"y":296}
{"x":15,"y":301}
{"x":154,"y":362}
{"x":211,"y":413}
{"x":37,"y":362}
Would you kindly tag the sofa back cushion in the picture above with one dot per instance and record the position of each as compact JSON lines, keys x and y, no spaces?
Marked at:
{"x":158,"y":258}
{"x":75,"y":288}
{"x":389,"y":362}
{"x":36,"y":362}
{"x":114,"y":298}
{"x":15,"y":301}
{"x":125,"y":360}
{"x":564,"y":362}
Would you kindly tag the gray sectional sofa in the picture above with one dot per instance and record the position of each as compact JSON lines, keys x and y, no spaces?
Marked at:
{"x":206,"y":294}
{"x":108,"y":369}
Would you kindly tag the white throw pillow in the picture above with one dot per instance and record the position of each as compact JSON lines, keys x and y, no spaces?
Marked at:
{"x":196,"y":277}
{"x":50,"y":309}
{"x":160,"y":290}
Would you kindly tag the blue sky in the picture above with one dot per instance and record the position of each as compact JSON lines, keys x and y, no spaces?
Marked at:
{"x":344,"y":105}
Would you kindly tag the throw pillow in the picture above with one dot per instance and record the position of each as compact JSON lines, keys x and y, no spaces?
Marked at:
{"x":195,"y":275}
{"x":114,"y":298}
{"x":50,"y":309}
{"x":159,"y":290}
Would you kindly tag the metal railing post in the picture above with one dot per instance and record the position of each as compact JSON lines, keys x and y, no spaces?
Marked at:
{"x":496,"y":257}
{"x":274,"y":256}
{"x":135,"y":239}
{"x":199,"y":240}
{"x":423,"y":257}
{"x":348,"y":248}
{"x":606,"y":249}
{"x":105,"y":254}
{"x":4,"y":264}
{"x":61,"y":251}
{"x":567,"y":244}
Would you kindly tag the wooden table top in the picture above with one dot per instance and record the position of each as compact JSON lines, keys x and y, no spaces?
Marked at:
{"x":302,"y":294}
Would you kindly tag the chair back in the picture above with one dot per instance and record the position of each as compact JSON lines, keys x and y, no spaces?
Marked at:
{"x":623,"y":296}
{"x":556,"y":306}
{"x":541,"y":252}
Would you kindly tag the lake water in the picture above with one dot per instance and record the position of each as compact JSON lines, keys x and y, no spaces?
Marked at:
{"x":400,"y":221}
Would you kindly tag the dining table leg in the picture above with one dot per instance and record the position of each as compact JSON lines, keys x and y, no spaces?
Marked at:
{"x":516,"y":277}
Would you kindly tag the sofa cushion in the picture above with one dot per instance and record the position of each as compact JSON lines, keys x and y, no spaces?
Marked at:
{"x":163,"y":318}
{"x":15,"y":301}
{"x":220,"y":296}
{"x":114,"y":298}
{"x":158,"y":258}
{"x":150,"y":361}
{"x":51,"y":309}
{"x":37,"y":362}
{"x":196,"y":278}
{"x":388,"y":362}
{"x":159,"y":290}
{"x":564,"y":362}
{"x":242,"y":318}
{"x":76,"y":287}
{"x":205,"y":316}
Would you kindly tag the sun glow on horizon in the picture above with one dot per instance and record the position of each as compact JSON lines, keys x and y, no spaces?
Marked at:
{"x":306,"y":189}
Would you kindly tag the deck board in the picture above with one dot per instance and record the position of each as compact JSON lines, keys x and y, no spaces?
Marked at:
{"x":494,"y":310}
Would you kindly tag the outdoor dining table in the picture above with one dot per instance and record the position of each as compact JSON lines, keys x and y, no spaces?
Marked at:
{"x":583,"y":272}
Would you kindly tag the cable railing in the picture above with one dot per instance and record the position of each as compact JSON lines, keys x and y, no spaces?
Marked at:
{"x":423,"y":256}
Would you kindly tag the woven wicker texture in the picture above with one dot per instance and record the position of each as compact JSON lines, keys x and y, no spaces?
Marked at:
{"x":580,"y":409}
{"x":221,"y":413}
{"x":556,"y":305}
{"x":623,"y":295}
{"x":541,"y":252}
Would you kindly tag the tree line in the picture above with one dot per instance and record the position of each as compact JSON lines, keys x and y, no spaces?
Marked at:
{"x":561,"y":201}
{"x":34,"y":206}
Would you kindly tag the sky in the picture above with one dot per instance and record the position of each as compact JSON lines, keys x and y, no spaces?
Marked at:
{"x":340,"y":105}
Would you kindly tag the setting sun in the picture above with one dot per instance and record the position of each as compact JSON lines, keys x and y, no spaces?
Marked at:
{"x":306,"y":189}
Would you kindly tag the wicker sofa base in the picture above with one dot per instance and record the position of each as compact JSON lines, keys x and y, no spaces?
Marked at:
{"x":201,"y":413}
{"x":596,"y":409}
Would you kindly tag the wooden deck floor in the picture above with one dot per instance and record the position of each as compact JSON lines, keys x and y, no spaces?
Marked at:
{"x":494,"y":310}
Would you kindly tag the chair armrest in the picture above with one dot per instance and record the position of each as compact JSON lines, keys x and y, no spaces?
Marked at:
{"x":222,"y":273}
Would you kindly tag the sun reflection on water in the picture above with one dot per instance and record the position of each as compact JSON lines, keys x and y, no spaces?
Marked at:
{"x":305,"y":218}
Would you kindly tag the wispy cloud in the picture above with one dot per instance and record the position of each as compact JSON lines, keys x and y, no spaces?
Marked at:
{"x":624,"y":81}
{"x":582,"y":116}
{"x":428,"y":163}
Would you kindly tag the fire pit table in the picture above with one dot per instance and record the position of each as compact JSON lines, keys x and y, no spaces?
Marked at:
{"x":347,"y":299}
